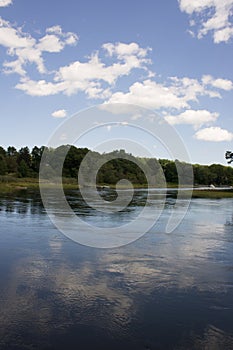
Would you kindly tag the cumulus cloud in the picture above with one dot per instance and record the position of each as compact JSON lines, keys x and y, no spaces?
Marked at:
{"x":60,"y":113}
{"x":150,"y":94}
{"x":97,"y":75}
{"x":219,"y":83}
{"x":13,"y":38}
{"x":4,"y":3}
{"x":26,"y":49}
{"x":95,"y":69}
{"x":214,"y":134}
{"x":175,"y":93}
{"x":223,"y":35}
{"x":210,"y":16}
{"x":197,"y":118}
{"x":55,"y":40}
{"x":94,"y":77}
{"x":40,"y":87}
{"x":122,"y":50}
{"x":97,"y":79}
{"x":50,"y":43}
{"x":192,"y":88}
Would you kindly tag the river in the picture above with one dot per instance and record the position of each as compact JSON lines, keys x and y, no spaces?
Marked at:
{"x":163,"y":291}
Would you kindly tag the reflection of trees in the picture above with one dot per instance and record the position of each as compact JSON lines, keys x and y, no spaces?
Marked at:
{"x":58,"y":285}
{"x":137,"y":291}
{"x":229,"y":222}
{"x":23,"y":204}
{"x":9,"y":206}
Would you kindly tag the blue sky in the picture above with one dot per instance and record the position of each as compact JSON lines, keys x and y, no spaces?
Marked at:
{"x":173,"y":57}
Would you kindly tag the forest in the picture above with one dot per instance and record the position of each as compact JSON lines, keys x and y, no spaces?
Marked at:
{"x":25,"y":163}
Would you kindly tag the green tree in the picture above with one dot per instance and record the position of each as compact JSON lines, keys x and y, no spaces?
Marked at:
{"x":170,"y":171}
{"x":24,"y":154}
{"x":11,"y":151}
{"x":36,"y":155}
{"x":217,"y":175}
{"x":23,"y":169}
{"x":12,"y":165}
{"x":73,"y":160}
{"x":2,"y":152}
{"x":202,"y":175}
{"x":3,"y":165}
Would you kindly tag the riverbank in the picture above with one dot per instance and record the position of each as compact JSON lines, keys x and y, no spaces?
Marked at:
{"x":30,"y":184}
{"x":212,"y":193}
{"x":16,"y":184}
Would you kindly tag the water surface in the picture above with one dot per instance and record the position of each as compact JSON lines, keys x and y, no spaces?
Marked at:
{"x":164,"y":291}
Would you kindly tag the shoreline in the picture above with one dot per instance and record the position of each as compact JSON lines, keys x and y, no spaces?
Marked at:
{"x":18,"y":185}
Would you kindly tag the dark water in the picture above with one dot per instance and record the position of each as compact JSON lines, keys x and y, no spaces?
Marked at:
{"x":164,"y":291}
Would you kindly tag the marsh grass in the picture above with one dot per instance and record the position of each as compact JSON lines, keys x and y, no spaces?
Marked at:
{"x":10,"y":184}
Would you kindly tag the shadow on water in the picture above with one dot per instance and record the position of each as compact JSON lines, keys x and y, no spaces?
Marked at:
{"x":165,"y":291}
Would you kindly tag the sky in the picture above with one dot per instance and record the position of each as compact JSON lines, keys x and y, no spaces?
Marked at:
{"x":173,"y":57}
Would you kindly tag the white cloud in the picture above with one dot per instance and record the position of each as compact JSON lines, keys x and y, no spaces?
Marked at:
{"x":214,"y":134}
{"x":223,"y":35}
{"x":94,"y":77}
{"x":97,"y":75}
{"x":95,"y":69}
{"x":197,"y":118}
{"x":60,"y":113}
{"x":68,"y":38}
{"x":176,"y":93}
{"x":4,"y":3}
{"x":122,"y":50}
{"x":219,"y":83}
{"x":71,"y":39}
{"x":50,"y":43}
{"x":30,"y":55}
{"x":150,"y":94}
{"x":97,"y":79}
{"x":212,"y":16}
{"x":223,"y":84}
{"x":21,"y":45}
{"x":39,"y":88}
{"x":189,"y":6}
{"x":54,"y":30}
{"x":14,"y":66}
{"x":27,"y":49}
{"x":13,"y":38}
{"x":192,"y":88}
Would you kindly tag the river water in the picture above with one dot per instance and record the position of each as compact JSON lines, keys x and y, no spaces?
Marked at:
{"x":164,"y":291}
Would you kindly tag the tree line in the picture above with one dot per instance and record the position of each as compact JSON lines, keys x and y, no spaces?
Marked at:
{"x":117,"y":165}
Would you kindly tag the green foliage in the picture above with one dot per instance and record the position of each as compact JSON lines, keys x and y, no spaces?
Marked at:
{"x":117,"y":165}
{"x":215,"y":174}
{"x":73,"y":160}
{"x":11,"y":151}
{"x":170,"y":172}
{"x":36,"y":155}
{"x":115,"y":170}
{"x":23,"y":169}
{"x":2,"y":152}
{"x":3,"y":165}
{"x":12,"y":165}
{"x":24,"y":155}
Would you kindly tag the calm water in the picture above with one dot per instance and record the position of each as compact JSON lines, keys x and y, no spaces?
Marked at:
{"x":164,"y":291}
